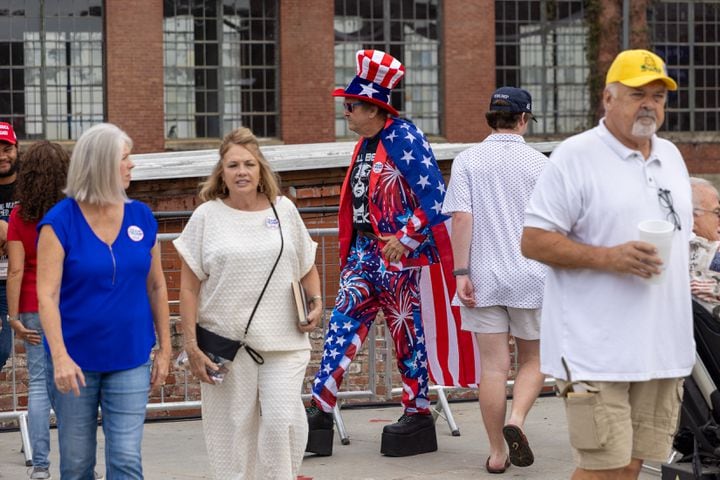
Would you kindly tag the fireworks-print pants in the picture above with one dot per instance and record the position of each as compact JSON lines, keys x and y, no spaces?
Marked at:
{"x":365,"y":287}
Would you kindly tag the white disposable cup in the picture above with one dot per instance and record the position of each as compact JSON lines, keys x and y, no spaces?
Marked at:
{"x":659,"y":233}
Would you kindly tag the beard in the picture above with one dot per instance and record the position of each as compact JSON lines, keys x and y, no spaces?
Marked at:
{"x":11,"y":171}
{"x":643,"y":127}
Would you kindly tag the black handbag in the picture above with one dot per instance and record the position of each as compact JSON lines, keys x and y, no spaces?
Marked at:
{"x":219,"y":346}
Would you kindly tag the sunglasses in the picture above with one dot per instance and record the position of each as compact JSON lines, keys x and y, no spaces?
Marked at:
{"x":349,"y":107}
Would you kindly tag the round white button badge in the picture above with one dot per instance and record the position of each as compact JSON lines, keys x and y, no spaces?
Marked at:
{"x":135,"y":233}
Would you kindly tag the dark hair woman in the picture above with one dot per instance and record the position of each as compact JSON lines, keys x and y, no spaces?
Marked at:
{"x":40,"y":182}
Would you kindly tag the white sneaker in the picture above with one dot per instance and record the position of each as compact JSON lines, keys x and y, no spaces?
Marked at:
{"x":40,"y":473}
{"x":98,"y":476}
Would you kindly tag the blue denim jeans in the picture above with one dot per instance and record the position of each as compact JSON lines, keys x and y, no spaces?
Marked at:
{"x":5,"y":333}
{"x":122,"y":396}
{"x":38,"y":398}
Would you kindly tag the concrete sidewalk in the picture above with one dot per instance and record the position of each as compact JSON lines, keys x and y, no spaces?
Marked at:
{"x":175,"y":450}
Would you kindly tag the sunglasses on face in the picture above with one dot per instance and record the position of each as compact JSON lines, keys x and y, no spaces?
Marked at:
{"x":350,"y":106}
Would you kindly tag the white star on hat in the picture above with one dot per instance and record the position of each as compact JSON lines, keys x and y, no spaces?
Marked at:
{"x":367,"y":90}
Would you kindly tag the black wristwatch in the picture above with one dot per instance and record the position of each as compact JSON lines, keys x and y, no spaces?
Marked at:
{"x":460,"y":271}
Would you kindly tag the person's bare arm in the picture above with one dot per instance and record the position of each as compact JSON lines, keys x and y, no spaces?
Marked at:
{"x":461,"y":237}
{"x":189,"y":291}
{"x":157,"y":293}
{"x":558,"y":251}
{"x":311,"y":285}
{"x":16,"y":269}
{"x":50,"y":259}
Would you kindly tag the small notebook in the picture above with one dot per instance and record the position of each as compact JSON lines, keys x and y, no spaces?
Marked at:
{"x":300,"y":302}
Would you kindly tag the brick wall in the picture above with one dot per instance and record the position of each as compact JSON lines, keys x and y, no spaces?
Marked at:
{"x":307,"y":71}
{"x":134,"y":70}
{"x":468,"y":76}
{"x":309,"y":188}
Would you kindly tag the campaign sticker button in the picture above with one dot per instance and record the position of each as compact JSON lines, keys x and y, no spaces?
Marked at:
{"x":135,"y":233}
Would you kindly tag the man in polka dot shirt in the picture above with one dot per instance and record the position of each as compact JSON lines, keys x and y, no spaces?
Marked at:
{"x":498,"y":290}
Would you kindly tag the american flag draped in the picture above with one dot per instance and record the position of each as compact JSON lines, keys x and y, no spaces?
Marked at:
{"x":452,"y":353}
{"x":405,"y":153}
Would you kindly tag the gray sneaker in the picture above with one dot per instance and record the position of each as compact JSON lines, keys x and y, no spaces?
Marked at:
{"x":41,"y":473}
{"x":98,"y":476}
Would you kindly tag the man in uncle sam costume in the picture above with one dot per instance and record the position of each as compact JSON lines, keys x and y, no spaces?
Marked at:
{"x":395,"y":255}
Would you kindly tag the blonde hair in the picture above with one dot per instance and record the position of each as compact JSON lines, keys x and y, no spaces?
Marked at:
{"x":214,"y":186}
{"x":94,"y":172}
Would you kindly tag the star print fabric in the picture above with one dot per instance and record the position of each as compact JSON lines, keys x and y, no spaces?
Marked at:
{"x":411,"y":190}
{"x":366,"y":286}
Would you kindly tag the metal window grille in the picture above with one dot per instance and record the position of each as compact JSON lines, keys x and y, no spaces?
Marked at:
{"x":51,"y":67}
{"x":408,"y":30}
{"x":685,"y":34}
{"x":220,"y":67}
{"x":540,"y":46}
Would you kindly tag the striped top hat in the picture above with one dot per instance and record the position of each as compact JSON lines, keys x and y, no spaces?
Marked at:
{"x":377,"y":74}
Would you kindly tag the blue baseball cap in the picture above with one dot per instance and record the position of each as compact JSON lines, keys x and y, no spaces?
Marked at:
{"x":511,"y":99}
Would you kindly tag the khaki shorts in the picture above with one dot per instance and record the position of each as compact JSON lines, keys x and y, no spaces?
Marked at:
{"x":614,"y":422}
{"x":522,"y":323}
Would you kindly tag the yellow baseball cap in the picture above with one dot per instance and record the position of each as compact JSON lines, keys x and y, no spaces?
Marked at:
{"x":636,"y":68}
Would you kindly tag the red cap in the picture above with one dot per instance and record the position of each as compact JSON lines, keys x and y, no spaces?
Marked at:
{"x":7,"y":134}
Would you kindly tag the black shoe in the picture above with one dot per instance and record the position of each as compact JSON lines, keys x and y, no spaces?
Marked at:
{"x":409,"y":424}
{"x":320,"y":431}
{"x":410,"y":435}
{"x":317,"y":419}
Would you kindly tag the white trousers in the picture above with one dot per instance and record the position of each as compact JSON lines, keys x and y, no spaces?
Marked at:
{"x":254,"y":421}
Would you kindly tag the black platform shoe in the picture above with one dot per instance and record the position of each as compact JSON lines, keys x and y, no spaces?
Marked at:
{"x":320,"y":431}
{"x":410,"y":435}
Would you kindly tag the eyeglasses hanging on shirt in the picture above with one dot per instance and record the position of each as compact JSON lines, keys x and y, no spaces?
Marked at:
{"x":666,"y":201}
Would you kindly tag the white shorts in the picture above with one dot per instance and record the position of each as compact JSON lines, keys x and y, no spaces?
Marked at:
{"x":523,"y":323}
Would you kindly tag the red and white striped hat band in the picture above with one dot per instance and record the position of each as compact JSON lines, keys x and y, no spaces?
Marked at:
{"x":379,"y":67}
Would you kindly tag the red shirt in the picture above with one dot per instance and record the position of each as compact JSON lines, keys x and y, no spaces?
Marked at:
{"x":26,"y":232}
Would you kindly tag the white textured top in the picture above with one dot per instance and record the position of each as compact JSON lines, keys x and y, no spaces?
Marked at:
{"x":609,"y":326}
{"x":493,"y":181}
{"x":232,"y":252}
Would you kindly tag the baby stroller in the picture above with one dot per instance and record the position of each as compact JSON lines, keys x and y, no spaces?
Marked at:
{"x":697,"y":442}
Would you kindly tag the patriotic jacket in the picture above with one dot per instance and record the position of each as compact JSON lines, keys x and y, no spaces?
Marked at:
{"x":405,"y":196}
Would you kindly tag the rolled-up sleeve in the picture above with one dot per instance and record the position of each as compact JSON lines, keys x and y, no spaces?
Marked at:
{"x":189,"y":244}
{"x":305,"y":246}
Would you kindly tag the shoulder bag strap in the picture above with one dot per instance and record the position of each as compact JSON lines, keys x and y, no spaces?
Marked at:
{"x":256,"y":356}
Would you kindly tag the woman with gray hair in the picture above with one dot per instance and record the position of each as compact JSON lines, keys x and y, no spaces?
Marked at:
{"x":101,"y":290}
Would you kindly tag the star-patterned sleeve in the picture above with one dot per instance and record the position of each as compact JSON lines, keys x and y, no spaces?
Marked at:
{"x":412,"y":155}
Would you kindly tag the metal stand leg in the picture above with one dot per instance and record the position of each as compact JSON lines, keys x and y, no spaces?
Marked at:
{"x":443,"y":409}
{"x":340,"y":424}
{"x":24,"y":434}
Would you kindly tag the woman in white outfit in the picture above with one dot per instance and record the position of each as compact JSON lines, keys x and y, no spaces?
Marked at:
{"x":254,"y":420}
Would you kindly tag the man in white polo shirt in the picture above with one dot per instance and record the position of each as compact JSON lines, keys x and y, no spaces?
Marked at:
{"x":499,"y":291}
{"x":618,"y":344}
